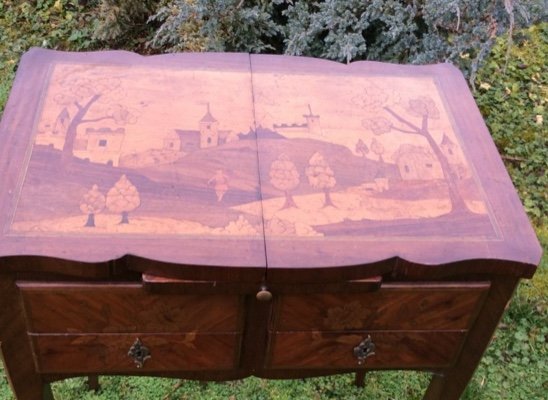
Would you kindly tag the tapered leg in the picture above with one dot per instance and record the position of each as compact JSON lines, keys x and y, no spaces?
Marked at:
{"x":360,"y":379}
{"x":47,"y":393}
{"x":15,"y":347}
{"x":451,"y":384}
{"x":93,"y":382}
{"x":435,"y":388}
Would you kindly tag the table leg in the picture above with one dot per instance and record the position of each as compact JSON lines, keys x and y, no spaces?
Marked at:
{"x":360,"y":379}
{"x":93,"y":383}
{"x":47,"y":394}
{"x":15,"y":347}
{"x":451,"y":383}
{"x":435,"y":388}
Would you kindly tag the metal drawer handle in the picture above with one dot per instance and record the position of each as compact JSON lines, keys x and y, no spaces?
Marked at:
{"x":264,"y":295}
{"x":139,"y":353}
{"x":365,"y":349}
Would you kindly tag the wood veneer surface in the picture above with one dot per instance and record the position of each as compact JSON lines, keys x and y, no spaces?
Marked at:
{"x":111,"y":308}
{"x":396,"y":307}
{"x":234,"y":159}
{"x":109,"y":353}
{"x":392,"y":349}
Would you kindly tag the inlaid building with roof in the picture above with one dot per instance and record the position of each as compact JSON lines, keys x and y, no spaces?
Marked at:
{"x":207,"y":135}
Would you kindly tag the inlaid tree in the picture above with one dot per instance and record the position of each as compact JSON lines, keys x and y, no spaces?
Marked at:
{"x":424,"y":108}
{"x":285,"y":177}
{"x":361,"y":148}
{"x":321,"y":176}
{"x":92,"y":100}
{"x":377,"y":148}
{"x":93,"y":202}
{"x":123,"y":198}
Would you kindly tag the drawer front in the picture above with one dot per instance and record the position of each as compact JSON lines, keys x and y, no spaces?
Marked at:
{"x":393,"y":307}
{"x":109,"y":353}
{"x":392,"y":349}
{"x":123,"y":308}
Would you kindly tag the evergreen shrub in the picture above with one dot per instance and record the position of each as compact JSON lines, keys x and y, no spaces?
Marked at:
{"x":404,"y":31}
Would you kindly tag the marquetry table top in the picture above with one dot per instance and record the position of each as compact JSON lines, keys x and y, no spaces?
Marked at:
{"x":251,"y":160}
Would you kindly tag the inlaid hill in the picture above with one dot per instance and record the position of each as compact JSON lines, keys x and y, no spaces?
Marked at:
{"x":238,"y":160}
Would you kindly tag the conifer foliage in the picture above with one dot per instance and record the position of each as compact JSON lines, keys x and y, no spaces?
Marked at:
{"x":405,"y":31}
{"x":120,"y":19}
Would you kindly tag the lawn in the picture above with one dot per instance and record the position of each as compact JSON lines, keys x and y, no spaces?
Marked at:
{"x":515,"y":364}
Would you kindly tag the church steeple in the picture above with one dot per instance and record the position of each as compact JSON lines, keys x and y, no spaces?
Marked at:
{"x":209,"y":130}
{"x":208,"y":117}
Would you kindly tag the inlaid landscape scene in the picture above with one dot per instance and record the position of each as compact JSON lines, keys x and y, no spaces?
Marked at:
{"x":200,"y":153}
{"x":122,"y":150}
{"x":362,"y":156}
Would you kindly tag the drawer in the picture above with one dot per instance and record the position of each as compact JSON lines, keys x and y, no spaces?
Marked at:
{"x":393,"y":307}
{"x":109,"y":353}
{"x":329,"y":350}
{"x":125,"y":308}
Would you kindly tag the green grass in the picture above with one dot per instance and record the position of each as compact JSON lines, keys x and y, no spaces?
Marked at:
{"x":380,"y":385}
{"x":513,"y":368}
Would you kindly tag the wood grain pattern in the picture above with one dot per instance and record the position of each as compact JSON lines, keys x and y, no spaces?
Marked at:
{"x":394,"y":307}
{"x":134,"y":153}
{"x":393,"y":349}
{"x":110,"y":308}
{"x":264,"y":149}
{"x":15,"y":347}
{"x":109,"y":353}
{"x":378,"y":158}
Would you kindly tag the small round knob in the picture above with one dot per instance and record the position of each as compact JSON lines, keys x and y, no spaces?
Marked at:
{"x":264,"y":295}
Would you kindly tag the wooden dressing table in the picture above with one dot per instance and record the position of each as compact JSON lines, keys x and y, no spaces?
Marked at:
{"x":215,"y":216}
